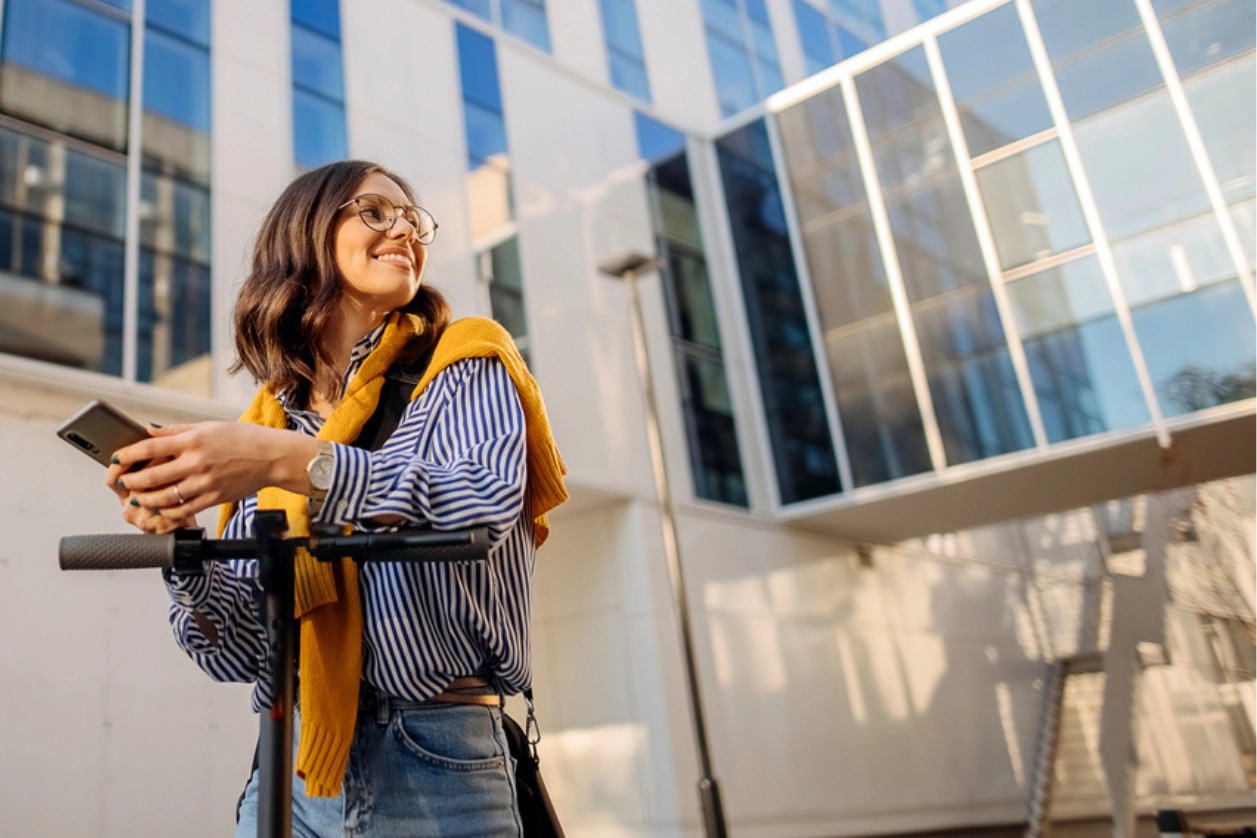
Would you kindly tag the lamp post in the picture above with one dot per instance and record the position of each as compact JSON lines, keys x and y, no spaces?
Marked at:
{"x":627,"y":266}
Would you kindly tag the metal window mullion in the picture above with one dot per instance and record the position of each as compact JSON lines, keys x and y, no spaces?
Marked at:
{"x":894,"y":278}
{"x":986,"y":240}
{"x":1196,"y":143}
{"x":135,"y":160}
{"x":1091,"y":213}
{"x":820,"y":351}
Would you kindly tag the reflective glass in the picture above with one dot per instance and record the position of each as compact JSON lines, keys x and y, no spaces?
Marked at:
{"x":813,"y":28}
{"x":977,"y":402}
{"x":735,"y":80}
{"x":655,"y":140}
{"x":1140,"y":168}
{"x":316,"y":64}
{"x":1210,"y":33}
{"x":486,"y":134}
{"x":94,"y":263}
{"x":672,"y":192}
{"x":318,"y":130}
{"x":619,"y":24}
{"x":320,"y":15}
{"x":175,"y":217}
{"x":1199,"y":347}
{"x":189,"y":18}
{"x":715,"y":462}
{"x":478,"y":68}
{"x":480,"y":8}
{"x":927,"y":9}
{"x":67,"y":42}
{"x":790,"y":386}
{"x":691,"y":309}
{"x":506,"y":288}
{"x":95,"y":194}
{"x":1244,"y":214}
{"x":173,"y":342}
{"x":993,"y":80}
{"x":770,"y":78}
{"x":757,"y":11}
{"x":848,"y":44}
{"x":1224,"y":101}
{"x":1174,"y":259}
{"x":1081,"y":368}
{"x":527,"y":19}
{"x":629,"y":74}
{"x":722,"y":16}
{"x":1095,"y":80}
{"x":176,"y":81}
{"x":1031,"y":205}
{"x":67,"y":68}
{"x":1068,"y":26}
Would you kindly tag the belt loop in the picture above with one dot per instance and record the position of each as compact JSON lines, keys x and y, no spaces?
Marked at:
{"x":382,"y":708}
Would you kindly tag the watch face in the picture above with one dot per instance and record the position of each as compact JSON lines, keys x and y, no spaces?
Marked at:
{"x":320,"y":472}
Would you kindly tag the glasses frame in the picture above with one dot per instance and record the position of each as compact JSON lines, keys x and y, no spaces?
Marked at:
{"x":397,"y":212}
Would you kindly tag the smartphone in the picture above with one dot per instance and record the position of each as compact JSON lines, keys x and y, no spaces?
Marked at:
{"x":100,"y":429}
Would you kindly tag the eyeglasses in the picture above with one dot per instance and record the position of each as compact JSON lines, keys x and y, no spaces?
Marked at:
{"x":380,"y":214}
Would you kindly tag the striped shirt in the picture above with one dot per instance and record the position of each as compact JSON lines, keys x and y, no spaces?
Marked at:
{"x":456,"y":460}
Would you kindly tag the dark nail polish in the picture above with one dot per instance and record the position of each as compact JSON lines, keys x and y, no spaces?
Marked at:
{"x":154,"y":425}
{"x":115,"y":461}
{"x":134,"y":502}
{"x":120,"y":484}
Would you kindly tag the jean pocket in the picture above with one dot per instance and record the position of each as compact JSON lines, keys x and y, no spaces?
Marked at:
{"x":456,"y":738}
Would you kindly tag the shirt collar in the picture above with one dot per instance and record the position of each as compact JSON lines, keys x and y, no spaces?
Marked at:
{"x":357,"y":355}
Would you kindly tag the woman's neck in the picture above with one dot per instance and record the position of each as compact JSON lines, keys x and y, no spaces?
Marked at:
{"x":344,"y":333}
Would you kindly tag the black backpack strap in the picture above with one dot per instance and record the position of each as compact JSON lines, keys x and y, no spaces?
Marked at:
{"x":399,"y":383}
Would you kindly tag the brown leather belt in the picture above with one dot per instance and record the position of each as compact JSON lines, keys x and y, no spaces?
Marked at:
{"x":464,"y":691}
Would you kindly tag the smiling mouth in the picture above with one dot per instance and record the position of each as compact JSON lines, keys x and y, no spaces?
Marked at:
{"x":396,"y":259}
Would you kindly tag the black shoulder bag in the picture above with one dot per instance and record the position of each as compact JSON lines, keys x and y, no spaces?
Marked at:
{"x":535,"y":809}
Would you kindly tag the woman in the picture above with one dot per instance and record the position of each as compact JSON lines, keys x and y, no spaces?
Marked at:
{"x":402,"y":666}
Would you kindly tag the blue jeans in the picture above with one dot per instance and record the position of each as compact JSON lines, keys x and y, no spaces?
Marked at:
{"x":415,"y":769}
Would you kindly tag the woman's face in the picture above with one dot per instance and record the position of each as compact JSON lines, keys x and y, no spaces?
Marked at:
{"x":380,"y":271}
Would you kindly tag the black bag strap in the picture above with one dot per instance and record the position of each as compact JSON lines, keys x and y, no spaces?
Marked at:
{"x":399,"y":383}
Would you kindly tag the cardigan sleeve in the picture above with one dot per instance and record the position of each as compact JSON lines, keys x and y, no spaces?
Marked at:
{"x":456,"y":460}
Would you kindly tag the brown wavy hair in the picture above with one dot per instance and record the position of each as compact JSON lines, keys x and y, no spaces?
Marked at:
{"x":289,"y":299}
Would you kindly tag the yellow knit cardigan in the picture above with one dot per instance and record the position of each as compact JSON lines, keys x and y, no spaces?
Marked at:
{"x":328,"y":603}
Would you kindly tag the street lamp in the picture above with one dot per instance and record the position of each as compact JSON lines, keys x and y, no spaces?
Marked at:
{"x":627,"y":266}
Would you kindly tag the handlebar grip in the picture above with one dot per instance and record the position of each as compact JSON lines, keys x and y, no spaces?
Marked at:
{"x":406,"y":546}
{"x":126,"y":551}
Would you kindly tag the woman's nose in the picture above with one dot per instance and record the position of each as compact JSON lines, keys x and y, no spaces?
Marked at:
{"x":402,"y":228}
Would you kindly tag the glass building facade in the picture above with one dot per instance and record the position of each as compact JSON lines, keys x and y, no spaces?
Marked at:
{"x":319,"y":131}
{"x":104,"y":187}
{"x":1032,"y":226}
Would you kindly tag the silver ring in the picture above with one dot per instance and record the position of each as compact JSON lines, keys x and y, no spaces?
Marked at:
{"x":179,"y":495}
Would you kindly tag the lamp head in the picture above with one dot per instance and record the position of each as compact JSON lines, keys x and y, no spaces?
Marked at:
{"x":629,"y":262}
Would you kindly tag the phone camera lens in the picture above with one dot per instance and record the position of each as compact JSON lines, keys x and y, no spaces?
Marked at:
{"x":79,"y":441}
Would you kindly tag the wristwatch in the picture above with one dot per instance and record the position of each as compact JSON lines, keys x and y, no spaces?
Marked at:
{"x":319,"y":470}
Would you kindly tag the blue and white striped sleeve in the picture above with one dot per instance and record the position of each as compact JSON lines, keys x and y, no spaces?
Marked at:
{"x":214,"y":617}
{"x":456,"y":460}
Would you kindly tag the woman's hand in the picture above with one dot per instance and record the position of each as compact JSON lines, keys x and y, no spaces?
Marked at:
{"x":193,"y":467}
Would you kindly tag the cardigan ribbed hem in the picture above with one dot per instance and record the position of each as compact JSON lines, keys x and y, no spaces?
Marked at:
{"x":322,"y":758}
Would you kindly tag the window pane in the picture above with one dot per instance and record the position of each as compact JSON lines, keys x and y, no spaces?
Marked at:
{"x":1210,"y":34}
{"x":316,"y":64}
{"x":176,"y":81}
{"x":976,"y":399}
{"x":690,"y":306}
{"x":797,"y":422}
{"x":95,"y":194}
{"x":478,"y":68}
{"x":619,"y":23}
{"x":1199,"y":348}
{"x":722,"y":16}
{"x":506,"y":287}
{"x":1098,"y":80}
{"x":1061,"y":23}
{"x":67,"y":68}
{"x":480,"y":8}
{"x":629,"y":75}
{"x":993,"y":80}
{"x":1139,"y":165}
{"x":814,"y":35}
{"x":715,"y":461}
{"x":486,"y":134}
{"x":175,"y":218}
{"x":1081,"y":369}
{"x":318,"y":130}
{"x":527,"y":19}
{"x":1175,"y":259}
{"x":320,"y":15}
{"x":189,"y":18}
{"x":735,"y":80}
{"x":1031,"y":205}
{"x":174,"y":323}
{"x":1224,"y":102}
{"x":655,"y":140}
